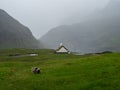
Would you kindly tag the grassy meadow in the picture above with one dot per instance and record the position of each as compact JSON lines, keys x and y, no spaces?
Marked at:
{"x":59,"y":71}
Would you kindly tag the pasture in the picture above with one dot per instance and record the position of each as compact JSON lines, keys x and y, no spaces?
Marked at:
{"x":59,"y":71}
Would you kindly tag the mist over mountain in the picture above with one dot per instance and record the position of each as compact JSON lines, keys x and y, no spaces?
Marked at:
{"x":14,"y":35}
{"x":100,"y":32}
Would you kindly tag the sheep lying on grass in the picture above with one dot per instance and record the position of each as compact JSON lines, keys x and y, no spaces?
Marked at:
{"x":36,"y":70}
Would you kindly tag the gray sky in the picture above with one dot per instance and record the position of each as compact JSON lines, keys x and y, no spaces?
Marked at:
{"x":42,"y":15}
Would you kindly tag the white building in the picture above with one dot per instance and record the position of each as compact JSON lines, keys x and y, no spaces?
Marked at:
{"x":62,"y":49}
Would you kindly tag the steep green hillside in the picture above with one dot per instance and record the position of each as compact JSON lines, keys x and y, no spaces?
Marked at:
{"x":59,"y":71}
{"x":15,"y":35}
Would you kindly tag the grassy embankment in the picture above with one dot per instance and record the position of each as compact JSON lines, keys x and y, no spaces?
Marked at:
{"x":59,"y":71}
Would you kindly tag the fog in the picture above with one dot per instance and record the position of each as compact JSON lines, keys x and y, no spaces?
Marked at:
{"x":42,"y":15}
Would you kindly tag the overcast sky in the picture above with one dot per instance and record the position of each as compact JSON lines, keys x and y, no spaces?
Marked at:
{"x":42,"y":15}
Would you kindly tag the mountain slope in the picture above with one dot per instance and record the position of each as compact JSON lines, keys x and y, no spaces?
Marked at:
{"x":99,"y":33}
{"x":15,"y":35}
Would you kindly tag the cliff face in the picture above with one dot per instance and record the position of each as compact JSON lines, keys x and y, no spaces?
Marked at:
{"x":99,"y":33}
{"x":15,"y":35}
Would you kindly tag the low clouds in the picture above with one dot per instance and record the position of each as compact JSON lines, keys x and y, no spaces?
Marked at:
{"x":41,"y":15}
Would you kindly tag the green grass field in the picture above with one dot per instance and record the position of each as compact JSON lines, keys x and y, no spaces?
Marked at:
{"x":59,"y":71}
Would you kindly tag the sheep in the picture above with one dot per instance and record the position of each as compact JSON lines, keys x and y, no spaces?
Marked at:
{"x":36,"y":70}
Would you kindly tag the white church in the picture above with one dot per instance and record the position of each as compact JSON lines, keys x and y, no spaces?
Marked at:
{"x":62,"y":49}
